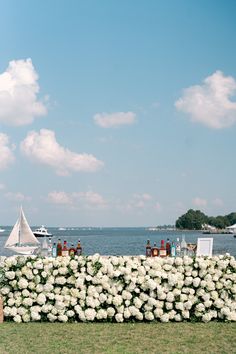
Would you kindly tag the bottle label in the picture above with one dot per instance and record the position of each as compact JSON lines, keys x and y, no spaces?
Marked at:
{"x":162,"y":253}
{"x":64,"y":253}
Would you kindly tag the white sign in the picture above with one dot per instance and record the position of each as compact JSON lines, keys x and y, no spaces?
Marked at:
{"x":204,"y":246}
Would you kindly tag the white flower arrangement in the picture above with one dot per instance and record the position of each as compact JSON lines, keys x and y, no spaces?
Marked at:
{"x":118,"y":289}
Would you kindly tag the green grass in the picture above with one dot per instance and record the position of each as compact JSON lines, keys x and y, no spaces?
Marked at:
{"x":117,"y":338}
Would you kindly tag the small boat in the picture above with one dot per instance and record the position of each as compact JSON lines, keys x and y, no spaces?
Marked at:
{"x":1,"y":230}
{"x":62,"y":229}
{"x":21,"y":239}
{"x":41,"y":232}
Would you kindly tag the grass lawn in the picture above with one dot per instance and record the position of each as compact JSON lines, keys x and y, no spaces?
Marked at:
{"x":117,"y":338}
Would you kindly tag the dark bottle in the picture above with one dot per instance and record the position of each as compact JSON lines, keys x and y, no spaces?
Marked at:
{"x":79,"y":249}
{"x":59,"y":247}
{"x":168,"y":247}
{"x":72,"y":250}
{"x":162,"y":251}
{"x":148,"y":249}
{"x":155,"y":251}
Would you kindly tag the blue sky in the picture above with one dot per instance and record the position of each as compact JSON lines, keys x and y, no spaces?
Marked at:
{"x":116,"y":113}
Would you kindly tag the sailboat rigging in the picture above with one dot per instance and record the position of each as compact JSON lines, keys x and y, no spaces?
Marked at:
{"x":21,"y":238}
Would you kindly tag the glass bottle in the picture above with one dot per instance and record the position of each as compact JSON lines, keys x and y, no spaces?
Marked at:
{"x":178,"y":248}
{"x":54,"y":250}
{"x":184,"y":248}
{"x":50,"y":247}
{"x":59,"y":248}
{"x":72,"y":250}
{"x":162,"y":251}
{"x":65,"y":251}
{"x":45,"y":247}
{"x":154,"y":250}
{"x":173,"y":250}
{"x":148,"y":249}
{"x":168,"y":247}
{"x":78,"y":249}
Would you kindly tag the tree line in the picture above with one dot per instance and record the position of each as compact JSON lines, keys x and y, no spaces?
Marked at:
{"x":194,"y":219}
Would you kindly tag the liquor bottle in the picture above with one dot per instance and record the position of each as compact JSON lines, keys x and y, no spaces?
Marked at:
{"x":168,"y":247}
{"x":148,"y":249}
{"x":50,"y":247}
{"x":59,"y":248}
{"x":162,"y":251}
{"x":154,"y":250}
{"x":64,"y":251}
{"x":54,"y":250}
{"x":184,"y":248}
{"x":79,"y":249}
{"x":72,"y":250}
{"x":173,"y":250}
{"x":178,"y":248}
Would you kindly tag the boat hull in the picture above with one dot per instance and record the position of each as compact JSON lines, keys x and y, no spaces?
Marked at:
{"x":38,"y":234}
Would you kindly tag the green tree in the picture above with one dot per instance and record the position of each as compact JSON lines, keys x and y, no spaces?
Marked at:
{"x":192,"y":220}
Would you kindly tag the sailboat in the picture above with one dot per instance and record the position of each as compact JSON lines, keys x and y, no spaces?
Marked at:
{"x":21,"y":239}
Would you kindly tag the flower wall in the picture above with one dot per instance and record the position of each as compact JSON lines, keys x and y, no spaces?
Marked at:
{"x":118,"y":289}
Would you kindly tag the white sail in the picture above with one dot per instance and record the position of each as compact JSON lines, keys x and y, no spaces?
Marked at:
{"x":14,"y":235}
{"x":26,"y":234}
{"x":22,"y":239}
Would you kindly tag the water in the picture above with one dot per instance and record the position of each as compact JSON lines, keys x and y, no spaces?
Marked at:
{"x":125,"y":241}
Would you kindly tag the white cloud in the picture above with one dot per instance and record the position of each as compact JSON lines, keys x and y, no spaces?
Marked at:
{"x":91,"y":199}
{"x":199,"y":202}
{"x":6,"y":152}
{"x":210,"y":102}
{"x":106,"y":120}
{"x":85,"y":200}
{"x":43,"y":148}
{"x":59,"y":198}
{"x":17,"y":197}
{"x":18,"y":94}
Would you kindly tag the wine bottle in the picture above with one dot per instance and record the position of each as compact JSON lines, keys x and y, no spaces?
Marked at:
{"x":168,"y":247}
{"x":178,"y":248}
{"x":173,"y":250}
{"x":59,"y":248}
{"x":54,"y":250}
{"x":72,"y":250}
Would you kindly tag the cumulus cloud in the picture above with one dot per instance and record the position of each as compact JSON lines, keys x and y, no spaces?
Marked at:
{"x":199,"y":202}
{"x":210,"y":103}
{"x":17,"y":197}
{"x":18,"y":94}
{"x":106,"y":120}
{"x":59,"y":198}
{"x":43,"y":148}
{"x":6,"y":152}
{"x":86,"y":200}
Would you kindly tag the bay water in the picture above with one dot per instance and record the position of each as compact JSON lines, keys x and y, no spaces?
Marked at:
{"x":124,"y":241}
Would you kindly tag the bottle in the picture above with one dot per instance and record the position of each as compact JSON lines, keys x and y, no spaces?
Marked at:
{"x":154,"y":250}
{"x":54,"y":250}
{"x":59,"y":248}
{"x":178,"y":248}
{"x":64,"y":251}
{"x":50,"y":247}
{"x":72,"y":250}
{"x":148,"y":249}
{"x":173,"y":250}
{"x":168,"y":247}
{"x":162,"y":251}
{"x":184,"y":248}
{"x":78,"y":249}
{"x":45,"y":247}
